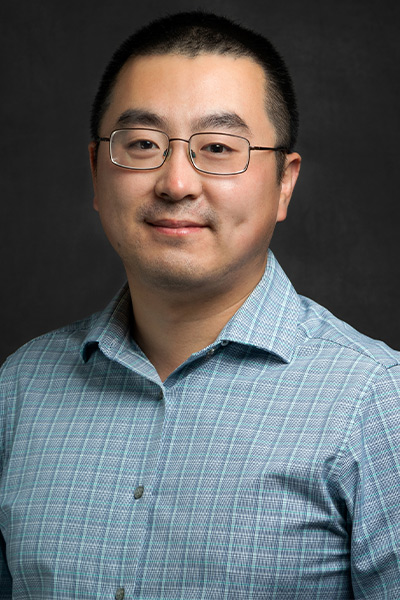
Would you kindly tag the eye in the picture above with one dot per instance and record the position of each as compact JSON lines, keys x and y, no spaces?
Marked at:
{"x":141,"y":145}
{"x":138,"y":148}
{"x":217,"y":148}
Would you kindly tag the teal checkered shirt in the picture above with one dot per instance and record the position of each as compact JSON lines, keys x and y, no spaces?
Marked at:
{"x":265,"y":466}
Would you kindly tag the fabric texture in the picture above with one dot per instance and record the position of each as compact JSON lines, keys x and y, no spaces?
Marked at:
{"x":266,"y":466}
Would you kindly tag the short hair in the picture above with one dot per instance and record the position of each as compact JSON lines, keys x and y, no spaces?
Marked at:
{"x":194,"y":33}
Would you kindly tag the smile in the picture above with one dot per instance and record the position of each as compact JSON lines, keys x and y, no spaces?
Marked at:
{"x":176,"y":227}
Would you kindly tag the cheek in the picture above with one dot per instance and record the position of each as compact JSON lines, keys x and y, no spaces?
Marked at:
{"x":118,"y":195}
{"x":120,"y":190}
{"x":251,"y":202}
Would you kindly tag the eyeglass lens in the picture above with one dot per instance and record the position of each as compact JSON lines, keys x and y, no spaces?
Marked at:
{"x":218,"y":153}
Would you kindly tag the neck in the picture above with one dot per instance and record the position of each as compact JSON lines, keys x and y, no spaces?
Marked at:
{"x":169,"y":326}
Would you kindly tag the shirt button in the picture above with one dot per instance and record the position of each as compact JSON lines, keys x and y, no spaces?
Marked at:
{"x":224,"y":342}
{"x":120,"y":593}
{"x":160,"y":395}
{"x":138,"y":493}
{"x":210,"y":352}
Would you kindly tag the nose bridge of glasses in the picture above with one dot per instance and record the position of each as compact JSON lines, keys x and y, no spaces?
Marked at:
{"x":167,"y":152}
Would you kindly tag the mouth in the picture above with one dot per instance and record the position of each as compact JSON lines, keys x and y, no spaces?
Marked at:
{"x":176,"y":227}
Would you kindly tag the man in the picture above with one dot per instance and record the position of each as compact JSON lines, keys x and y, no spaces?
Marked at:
{"x":211,"y":434}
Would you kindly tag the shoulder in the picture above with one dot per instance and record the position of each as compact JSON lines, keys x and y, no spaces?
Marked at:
{"x":44,"y":352}
{"x":319,"y":327}
{"x":48,"y":366}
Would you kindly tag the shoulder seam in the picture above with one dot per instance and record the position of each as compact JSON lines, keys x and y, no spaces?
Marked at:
{"x":82,"y":325}
{"x":359,"y":350}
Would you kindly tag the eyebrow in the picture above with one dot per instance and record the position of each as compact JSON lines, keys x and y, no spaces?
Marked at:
{"x":226,"y":120}
{"x":138,"y":116}
{"x":134,"y":117}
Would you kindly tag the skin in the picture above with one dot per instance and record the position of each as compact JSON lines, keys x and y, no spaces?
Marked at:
{"x":194,"y":245}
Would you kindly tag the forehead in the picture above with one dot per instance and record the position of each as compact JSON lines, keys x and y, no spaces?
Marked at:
{"x":181,"y":89}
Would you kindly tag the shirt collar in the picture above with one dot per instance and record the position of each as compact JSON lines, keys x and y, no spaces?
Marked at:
{"x":110,"y":329}
{"x":268,"y":319}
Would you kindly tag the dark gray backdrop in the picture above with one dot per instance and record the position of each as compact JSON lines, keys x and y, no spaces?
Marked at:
{"x":340,"y":242}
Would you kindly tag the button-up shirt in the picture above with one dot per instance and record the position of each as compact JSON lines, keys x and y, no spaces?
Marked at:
{"x":266,"y":466}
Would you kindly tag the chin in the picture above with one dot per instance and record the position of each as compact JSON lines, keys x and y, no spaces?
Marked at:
{"x":179,"y":281}
{"x":186,"y":276}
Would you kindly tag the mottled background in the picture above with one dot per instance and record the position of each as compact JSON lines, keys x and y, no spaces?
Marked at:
{"x":340,"y":244}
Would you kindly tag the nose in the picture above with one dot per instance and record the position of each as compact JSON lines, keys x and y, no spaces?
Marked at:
{"x":178,"y":179}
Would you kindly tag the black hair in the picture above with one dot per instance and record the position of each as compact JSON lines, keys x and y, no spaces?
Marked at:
{"x":194,"y":33}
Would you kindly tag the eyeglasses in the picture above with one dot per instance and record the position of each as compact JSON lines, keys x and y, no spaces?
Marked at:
{"x":212,"y":153}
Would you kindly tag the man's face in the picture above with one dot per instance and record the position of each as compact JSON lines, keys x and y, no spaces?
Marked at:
{"x":174,"y":227}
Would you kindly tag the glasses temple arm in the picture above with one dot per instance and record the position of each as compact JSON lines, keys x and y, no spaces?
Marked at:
{"x":277,"y":149}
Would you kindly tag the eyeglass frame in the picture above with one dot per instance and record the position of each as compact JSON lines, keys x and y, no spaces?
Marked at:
{"x":168,"y":150}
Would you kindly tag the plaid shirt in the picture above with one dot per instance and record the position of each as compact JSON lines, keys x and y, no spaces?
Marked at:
{"x":266,"y":466}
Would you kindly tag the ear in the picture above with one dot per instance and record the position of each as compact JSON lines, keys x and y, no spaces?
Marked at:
{"x":93,"y":167}
{"x":290,"y":175}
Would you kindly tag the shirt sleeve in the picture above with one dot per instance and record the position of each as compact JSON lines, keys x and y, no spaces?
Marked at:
{"x":369,"y":478}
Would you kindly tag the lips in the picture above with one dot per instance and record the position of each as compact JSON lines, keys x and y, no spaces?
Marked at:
{"x":176,"y":226}
{"x":175,"y":223}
